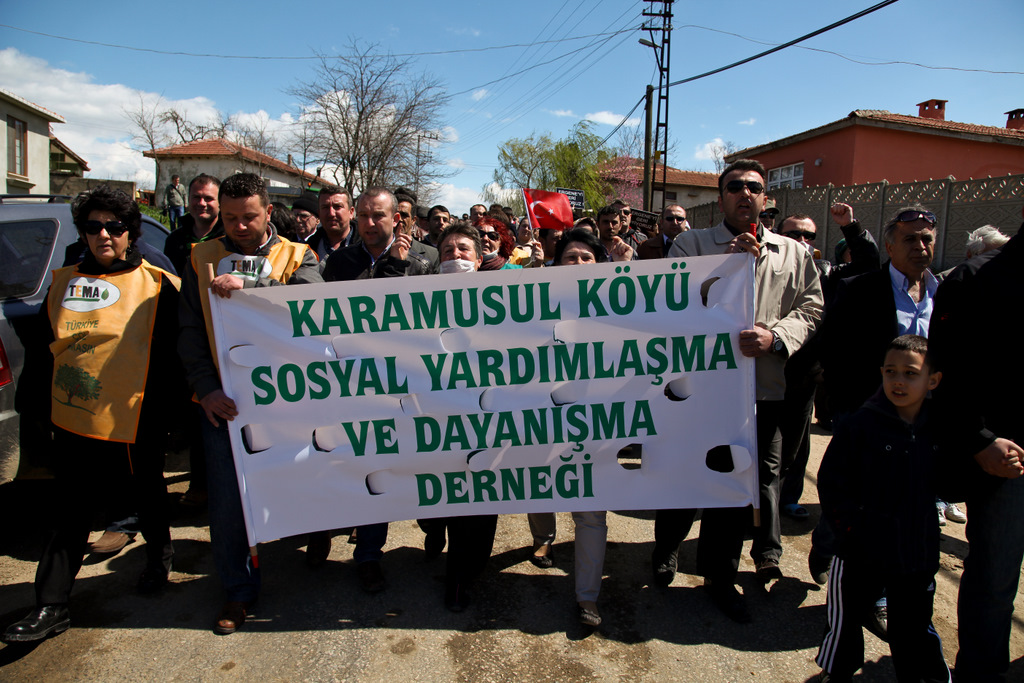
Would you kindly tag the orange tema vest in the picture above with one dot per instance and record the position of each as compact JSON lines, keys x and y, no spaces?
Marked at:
{"x":103,"y":329}
{"x":284,"y":259}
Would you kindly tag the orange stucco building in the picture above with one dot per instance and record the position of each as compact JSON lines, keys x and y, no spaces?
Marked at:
{"x":871,"y":145}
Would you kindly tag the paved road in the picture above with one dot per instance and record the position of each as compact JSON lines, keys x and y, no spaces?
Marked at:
{"x":317,"y":625}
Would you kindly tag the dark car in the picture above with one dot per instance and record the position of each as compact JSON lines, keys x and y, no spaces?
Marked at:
{"x":37,"y":236}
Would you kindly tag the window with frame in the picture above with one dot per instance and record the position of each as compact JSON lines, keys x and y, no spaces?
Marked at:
{"x":17,"y":146}
{"x":791,"y":176}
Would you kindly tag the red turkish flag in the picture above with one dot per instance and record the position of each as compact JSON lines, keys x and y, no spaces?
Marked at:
{"x":550,"y":210}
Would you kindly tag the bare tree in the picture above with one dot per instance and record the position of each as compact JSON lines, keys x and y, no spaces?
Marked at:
{"x":719,"y":150}
{"x":371,"y":111}
{"x":189,"y":130}
{"x":148,"y":132}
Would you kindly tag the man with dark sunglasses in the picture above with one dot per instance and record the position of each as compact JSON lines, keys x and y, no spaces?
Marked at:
{"x":875,"y":308}
{"x":787,"y":308}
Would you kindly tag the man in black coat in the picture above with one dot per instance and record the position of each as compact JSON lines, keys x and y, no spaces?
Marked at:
{"x":980,"y":409}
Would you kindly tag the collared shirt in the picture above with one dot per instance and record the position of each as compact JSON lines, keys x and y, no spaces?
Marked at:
{"x":912,"y":317}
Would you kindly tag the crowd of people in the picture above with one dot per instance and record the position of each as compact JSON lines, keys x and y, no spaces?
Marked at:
{"x":886,"y":351}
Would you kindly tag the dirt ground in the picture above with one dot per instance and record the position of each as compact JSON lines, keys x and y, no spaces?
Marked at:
{"x":316,"y":625}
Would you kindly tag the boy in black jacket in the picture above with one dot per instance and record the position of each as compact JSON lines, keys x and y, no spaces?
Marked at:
{"x":877,"y":486}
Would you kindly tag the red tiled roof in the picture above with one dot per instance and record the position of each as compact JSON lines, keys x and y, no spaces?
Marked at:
{"x":219,"y":147}
{"x":52,"y":117}
{"x":677,"y":176}
{"x":937,"y":124}
{"x":886,"y":117}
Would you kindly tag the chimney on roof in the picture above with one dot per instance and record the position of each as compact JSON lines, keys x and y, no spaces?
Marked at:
{"x":932,"y":109}
{"x":1015,"y":119}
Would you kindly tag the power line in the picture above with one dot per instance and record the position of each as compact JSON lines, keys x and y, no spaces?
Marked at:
{"x":777,"y":48}
{"x":308,"y":58}
{"x":877,"y":61}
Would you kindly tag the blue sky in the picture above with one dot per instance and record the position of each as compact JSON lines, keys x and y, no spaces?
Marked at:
{"x":776,"y":96}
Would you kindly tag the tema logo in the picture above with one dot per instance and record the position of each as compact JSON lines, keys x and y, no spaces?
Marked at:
{"x":89,"y":294}
{"x":252,"y":268}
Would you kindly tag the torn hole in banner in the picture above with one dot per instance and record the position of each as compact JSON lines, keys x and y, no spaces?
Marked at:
{"x":247,"y":355}
{"x":328,"y":439}
{"x":705,"y":287}
{"x":376,"y":482}
{"x":456,"y":339}
{"x":728,"y":458}
{"x":630,"y":457}
{"x":567,"y":392}
{"x":255,"y":438}
{"x":679,"y":389}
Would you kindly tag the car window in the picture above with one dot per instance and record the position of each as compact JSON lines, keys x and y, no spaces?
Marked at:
{"x":154,"y":234}
{"x":25,"y":248}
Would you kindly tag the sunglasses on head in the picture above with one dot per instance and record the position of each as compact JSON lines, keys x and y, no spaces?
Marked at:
{"x":113,"y":228}
{"x":734,"y":186}
{"x":909,"y":216}
{"x":807,"y":235}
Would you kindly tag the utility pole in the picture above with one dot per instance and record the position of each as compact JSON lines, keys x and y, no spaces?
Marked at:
{"x":416,"y":179}
{"x":662,"y":53}
{"x":648,"y":111}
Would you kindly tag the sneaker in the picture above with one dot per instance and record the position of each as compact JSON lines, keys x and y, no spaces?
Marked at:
{"x":664,"y":566}
{"x":941,"y":509}
{"x":877,"y":622}
{"x":955,"y":514}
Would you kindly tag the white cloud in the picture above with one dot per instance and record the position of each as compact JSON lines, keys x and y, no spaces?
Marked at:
{"x":480,"y":94}
{"x":749,"y":122}
{"x":465,"y":31}
{"x":457,"y":163}
{"x":609,"y":119}
{"x":451,"y":136}
{"x":96,"y":128}
{"x":457,"y":199}
{"x":706,"y":152}
{"x":563,"y":112}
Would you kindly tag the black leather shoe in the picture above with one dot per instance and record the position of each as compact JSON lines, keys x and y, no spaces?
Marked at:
{"x":456,"y":597}
{"x":318,"y":548}
{"x":433,"y":544}
{"x":664,"y":565}
{"x":152,"y":580}
{"x":39,"y":624}
{"x":371,"y":578}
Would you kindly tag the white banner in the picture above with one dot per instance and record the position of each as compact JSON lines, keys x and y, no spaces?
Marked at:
{"x":499,"y":392}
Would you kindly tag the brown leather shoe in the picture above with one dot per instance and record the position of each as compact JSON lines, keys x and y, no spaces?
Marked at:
{"x":231,"y":618}
{"x":111,"y":542}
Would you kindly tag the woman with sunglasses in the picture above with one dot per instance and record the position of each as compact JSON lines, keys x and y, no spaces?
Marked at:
{"x":108,"y":379}
{"x":580,"y":246}
{"x":497,"y":242}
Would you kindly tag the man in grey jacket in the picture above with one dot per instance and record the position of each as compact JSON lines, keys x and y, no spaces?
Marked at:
{"x":787,"y":308}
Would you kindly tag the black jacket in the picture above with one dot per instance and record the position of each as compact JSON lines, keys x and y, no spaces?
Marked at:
{"x":972,"y":341}
{"x":354,"y":263}
{"x":877,"y":486}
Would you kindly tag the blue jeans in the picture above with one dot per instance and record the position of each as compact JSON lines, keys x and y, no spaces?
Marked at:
{"x":988,"y":586}
{"x":175,"y":213}
{"x":370,"y":540}
{"x":241,"y":580}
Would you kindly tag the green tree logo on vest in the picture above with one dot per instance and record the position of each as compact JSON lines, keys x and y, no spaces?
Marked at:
{"x":76,"y":382}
